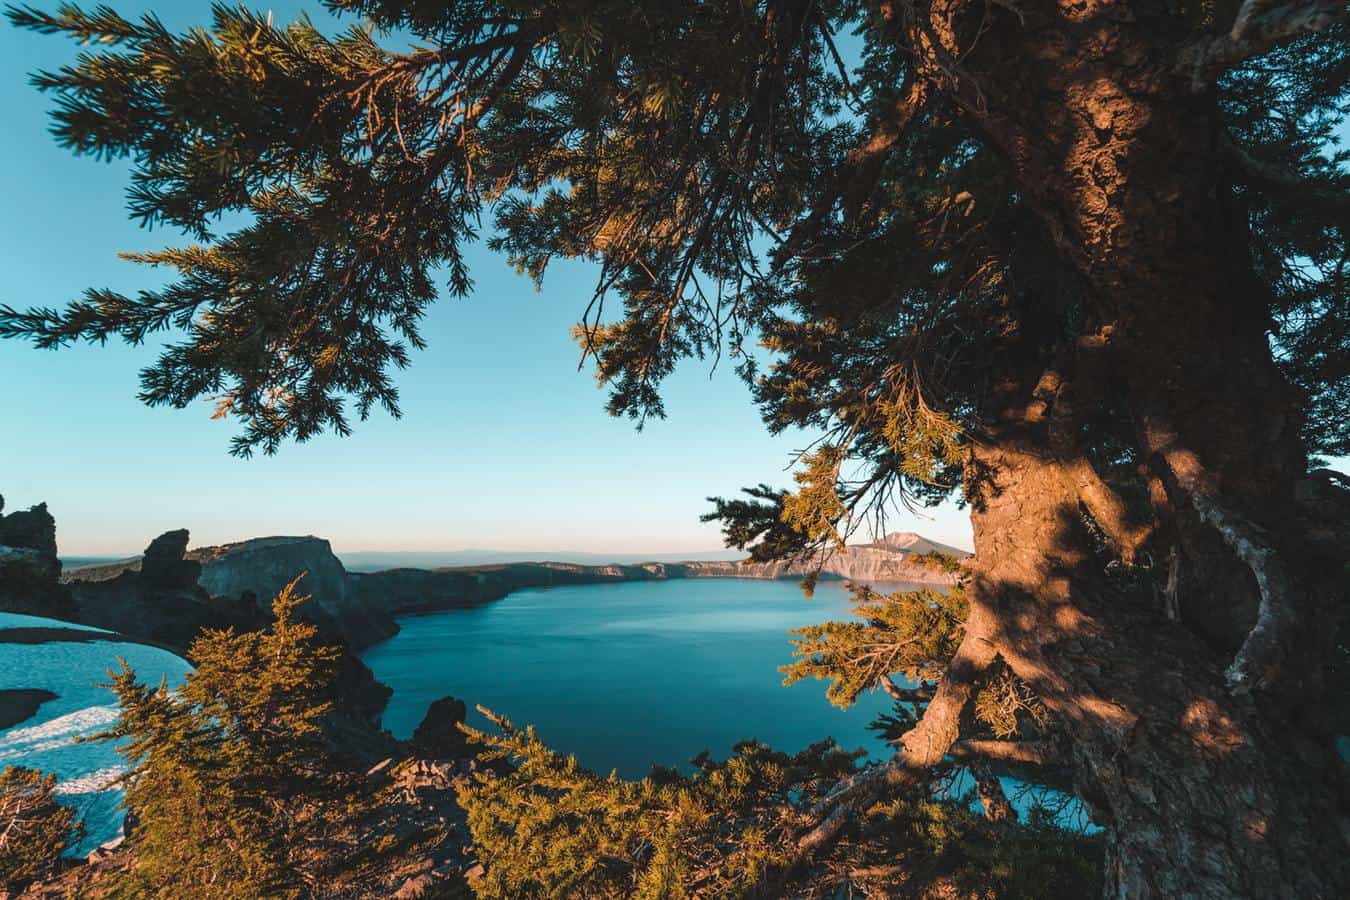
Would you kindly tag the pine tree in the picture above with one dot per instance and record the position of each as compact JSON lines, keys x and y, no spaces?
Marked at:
{"x":227,"y":775}
{"x":1081,"y":262}
{"x":34,"y":829}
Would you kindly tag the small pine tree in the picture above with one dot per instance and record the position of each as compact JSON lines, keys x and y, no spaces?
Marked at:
{"x":34,"y":828}
{"x":225,"y":771}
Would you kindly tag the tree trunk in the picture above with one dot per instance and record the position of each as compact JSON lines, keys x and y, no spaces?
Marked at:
{"x":1202,"y":791}
{"x":1195,"y":721}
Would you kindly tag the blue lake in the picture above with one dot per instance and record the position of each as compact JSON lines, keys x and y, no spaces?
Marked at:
{"x":628,"y":675}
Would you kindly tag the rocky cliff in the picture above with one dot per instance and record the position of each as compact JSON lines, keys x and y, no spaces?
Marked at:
{"x":30,"y":571}
{"x":155,"y":598}
{"x":895,"y":558}
{"x":360,"y":607}
{"x":256,"y":570}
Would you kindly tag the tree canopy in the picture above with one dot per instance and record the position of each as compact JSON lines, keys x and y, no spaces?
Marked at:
{"x":1082,"y":261}
{"x":732,"y":172}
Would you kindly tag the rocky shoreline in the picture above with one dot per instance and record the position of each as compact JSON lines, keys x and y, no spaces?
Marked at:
{"x":169,"y":593}
{"x":361,"y":607}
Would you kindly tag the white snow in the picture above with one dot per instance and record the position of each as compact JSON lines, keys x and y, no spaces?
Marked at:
{"x":75,"y":671}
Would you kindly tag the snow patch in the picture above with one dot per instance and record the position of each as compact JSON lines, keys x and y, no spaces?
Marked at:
{"x":15,"y":620}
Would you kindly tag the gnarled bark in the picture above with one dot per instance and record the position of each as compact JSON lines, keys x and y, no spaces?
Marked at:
{"x":1201,"y":791}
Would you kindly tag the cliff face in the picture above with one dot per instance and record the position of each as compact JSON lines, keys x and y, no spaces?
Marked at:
{"x":399,"y":591}
{"x":891,"y":559}
{"x":256,"y":570}
{"x":154,"y":598}
{"x":360,"y":608}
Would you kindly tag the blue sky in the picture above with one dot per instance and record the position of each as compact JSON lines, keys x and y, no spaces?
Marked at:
{"x":503,"y":442}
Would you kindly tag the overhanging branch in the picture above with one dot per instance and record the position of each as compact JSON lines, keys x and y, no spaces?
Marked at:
{"x":921,"y":694}
{"x":1029,"y":753}
{"x":1273,"y":179}
{"x":1260,"y":26}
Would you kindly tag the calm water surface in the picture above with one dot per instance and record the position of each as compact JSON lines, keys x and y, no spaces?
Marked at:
{"x":627,"y":675}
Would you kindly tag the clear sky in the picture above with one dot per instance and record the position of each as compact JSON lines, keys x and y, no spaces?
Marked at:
{"x":503,"y":443}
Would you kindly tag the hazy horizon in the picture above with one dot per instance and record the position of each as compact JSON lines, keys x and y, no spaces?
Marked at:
{"x":372,"y":559}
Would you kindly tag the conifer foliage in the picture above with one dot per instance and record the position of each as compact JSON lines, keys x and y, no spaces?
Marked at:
{"x":34,"y":828}
{"x":228,"y":784}
{"x":1083,"y":262}
{"x":552,"y":829}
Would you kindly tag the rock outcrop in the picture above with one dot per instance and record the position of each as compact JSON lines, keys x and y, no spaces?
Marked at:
{"x":263,"y":566}
{"x":438,"y":735}
{"x":895,"y":558}
{"x":164,"y":565}
{"x":168,"y":595}
{"x":156,"y":600}
{"x":30,"y":572}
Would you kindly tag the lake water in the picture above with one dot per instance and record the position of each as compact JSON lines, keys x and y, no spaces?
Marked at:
{"x":75,"y":671}
{"x":631,"y":674}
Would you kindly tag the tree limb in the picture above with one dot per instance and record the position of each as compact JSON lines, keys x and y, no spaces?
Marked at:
{"x":856,"y":177}
{"x":1106,"y":507}
{"x":1274,"y":179}
{"x":1258,"y":660}
{"x":921,"y":694}
{"x":1260,"y":26}
{"x":1030,"y":753}
{"x":921,"y":748}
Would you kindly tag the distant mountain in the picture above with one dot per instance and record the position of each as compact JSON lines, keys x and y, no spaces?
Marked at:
{"x":910,"y":542}
{"x":379,"y":560}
